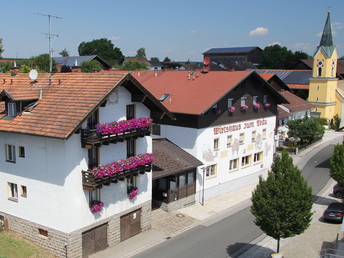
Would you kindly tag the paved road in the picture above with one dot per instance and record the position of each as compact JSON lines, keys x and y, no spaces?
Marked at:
{"x":225,"y":237}
{"x":217,"y":240}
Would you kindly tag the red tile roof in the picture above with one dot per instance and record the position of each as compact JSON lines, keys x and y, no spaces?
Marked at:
{"x":190,"y":93}
{"x":296,"y":103}
{"x":68,"y":99}
{"x":282,"y":113}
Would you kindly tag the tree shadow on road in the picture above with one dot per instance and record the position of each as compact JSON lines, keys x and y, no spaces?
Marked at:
{"x":325,"y":201}
{"x":239,"y":249}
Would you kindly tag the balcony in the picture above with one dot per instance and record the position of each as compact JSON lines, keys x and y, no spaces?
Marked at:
{"x":90,"y":182}
{"x":106,"y":133}
{"x":116,"y":171}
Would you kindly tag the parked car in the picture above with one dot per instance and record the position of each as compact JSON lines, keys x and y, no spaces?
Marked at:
{"x":338,"y":191}
{"x":334,"y":212}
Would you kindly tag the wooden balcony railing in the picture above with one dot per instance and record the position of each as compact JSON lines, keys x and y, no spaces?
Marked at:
{"x":90,"y":137}
{"x":90,"y":183}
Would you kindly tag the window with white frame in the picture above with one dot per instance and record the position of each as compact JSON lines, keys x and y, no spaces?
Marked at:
{"x":254,"y":135}
{"x":264,"y":133}
{"x":230,"y":102}
{"x":229,"y":141}
{"x":243,"y":101}
{"x":255,"y":100}
{"x":265,"y":99}
{"x":23,"y":190}
{"x":216,"y":143}
{"x":12,"y":191}
{"x":245,"y":160}
{"x":12,"y":109}
{"x":258,"y":157}
{"x":94,"y":195}
{"x":10,"y":151}
{"x":211,"y":170}
{"x":233,"y":164}
{"x":242,"y":138}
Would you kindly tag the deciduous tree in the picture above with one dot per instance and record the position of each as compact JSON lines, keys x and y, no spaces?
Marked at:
{"x":1,"y":47}
{"x":132,"y":65}
{"x":282,"y":203}
{"x":90,"y":66}
{"x":337,"y":164}
{"x":141,"y":53}
{"x":102,"y":48}
{"x":307,"y":129}
{"x":64,"y":53}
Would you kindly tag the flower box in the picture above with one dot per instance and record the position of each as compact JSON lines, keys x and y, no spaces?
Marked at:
{"x":132,"y":192}
{"x":244,"y":108}
{"x":124,"y":126}
{"x":256,"y":106}
{"x":231,"y":109}
{"x":267,"y":105}
{"x":96,"y":206}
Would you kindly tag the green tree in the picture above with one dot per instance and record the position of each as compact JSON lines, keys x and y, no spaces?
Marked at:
{"x":5,"y":67}
{"x":90,"y":66}
{"x":42,"y":62}
{"x":167,"y":59}
{"x":64,"y":53}
{"x":1,"y":47}
{"x":155,"y":59}
{"x":307,"y":129}
{"x":282,"y":203}
{"x":102,"y":48}
{"x":132,"y":65}
{"x":277,"y":57}
{"x":337,"y":164}
{"x":141,"y":53}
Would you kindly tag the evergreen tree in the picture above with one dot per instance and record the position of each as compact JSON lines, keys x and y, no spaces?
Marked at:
{"x":282,"y":203}
{"x":337,"y":164}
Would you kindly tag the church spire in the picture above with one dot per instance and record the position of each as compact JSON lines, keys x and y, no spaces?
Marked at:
{"x":326,"y":38}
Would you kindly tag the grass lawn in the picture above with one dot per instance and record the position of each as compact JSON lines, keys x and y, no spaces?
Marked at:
{"x":14,"y":246}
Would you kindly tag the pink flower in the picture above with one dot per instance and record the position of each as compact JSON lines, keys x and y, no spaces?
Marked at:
{"x":133,"y":192}
{"x":142,"y":123}
{"x":267,"y":105}
{"x":231,"y":109}
{"x":256,"y":105}
{"x":244,"y":107}
{"x":96,"y":206}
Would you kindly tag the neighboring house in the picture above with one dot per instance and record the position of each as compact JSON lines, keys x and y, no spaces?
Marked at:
{"x":71,"y":63}
{"x":232,"y":55}
{"x":54,"y":191}
{"x":297,"y":108}
{"x":226,"y":120}
{"x":296,"y":80}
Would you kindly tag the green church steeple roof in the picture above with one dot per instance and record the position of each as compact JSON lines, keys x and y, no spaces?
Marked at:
{"x":326,"y":38}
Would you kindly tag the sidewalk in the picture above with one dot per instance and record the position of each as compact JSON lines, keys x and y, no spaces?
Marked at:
{"x":166,"y":225}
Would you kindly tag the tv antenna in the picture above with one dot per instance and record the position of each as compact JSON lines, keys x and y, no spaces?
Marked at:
{"x":50,"y":36}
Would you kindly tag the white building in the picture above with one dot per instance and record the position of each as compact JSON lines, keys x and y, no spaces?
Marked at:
{"x":47,"y":138}
{"x":226,"y":120}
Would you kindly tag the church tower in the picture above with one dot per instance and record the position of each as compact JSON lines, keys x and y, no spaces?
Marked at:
{"x":323,"y":84}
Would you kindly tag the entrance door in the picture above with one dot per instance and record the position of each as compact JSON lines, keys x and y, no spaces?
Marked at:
{"x":130,"y":224}
{"x":94,"y":240}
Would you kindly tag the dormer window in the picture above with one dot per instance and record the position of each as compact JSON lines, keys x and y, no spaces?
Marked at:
{"x":11,"y":109}
{"x":164,"y":97}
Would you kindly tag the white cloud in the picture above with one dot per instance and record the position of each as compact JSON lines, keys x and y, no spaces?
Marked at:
{"x":115,"y":38}
{"x":198,"y":34}
{"x":260,"y":31}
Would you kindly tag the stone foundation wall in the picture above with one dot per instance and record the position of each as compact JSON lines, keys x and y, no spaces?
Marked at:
{"x":70,"y":245}
{"x":175,"y":205}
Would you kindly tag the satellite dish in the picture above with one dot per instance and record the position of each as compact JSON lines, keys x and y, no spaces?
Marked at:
{"x":33,"y":74}
{"x":206,"y":61}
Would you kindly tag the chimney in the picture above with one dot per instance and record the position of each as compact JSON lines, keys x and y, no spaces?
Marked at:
{"x":76,"y":69}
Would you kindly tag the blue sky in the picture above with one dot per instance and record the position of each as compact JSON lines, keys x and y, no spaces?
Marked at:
{"x":179,"y":29}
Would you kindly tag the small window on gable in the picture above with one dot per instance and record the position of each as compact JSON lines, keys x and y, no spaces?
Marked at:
{"x":11,"y":109}
{"x":130,"y":111}
{"x":21,"y":151}
{"x":23,"y":189}
{"x":94,"y":195}
{"x":164,"y":97}
{"x":255,"y":100}
{"x":230,"y":102}
{"x":243,"y":101}
{"x":10,"y":153}
{"x":265,"y":99}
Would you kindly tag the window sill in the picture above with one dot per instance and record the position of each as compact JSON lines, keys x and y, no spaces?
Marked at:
{"x":13,"y":199}
{"x":210,"y":177}
{"x":245,"y":166}
{"x":233,"y":170}
{"x":10,"y":161}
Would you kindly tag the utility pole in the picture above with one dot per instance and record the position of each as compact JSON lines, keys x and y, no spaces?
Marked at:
{"x":50,"y":36}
